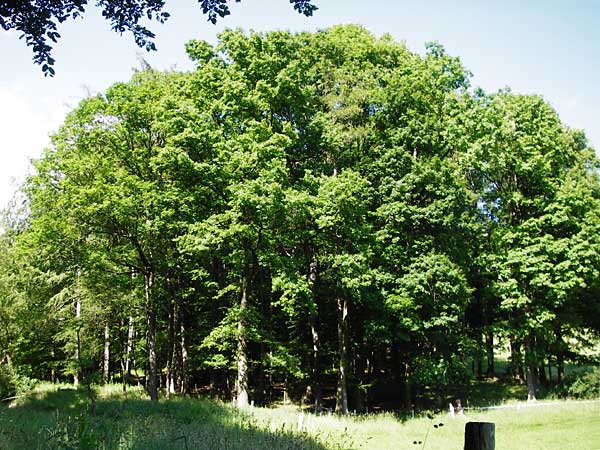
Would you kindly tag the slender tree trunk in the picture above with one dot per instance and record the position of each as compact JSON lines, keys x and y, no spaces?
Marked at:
{"x":543,"y":379}
{"x":53,"y":369}
{"x":129,"y":347}
{"x":360,"y":364}
{"x":170,"y":350}
{"x":560,"y":366}
{"x":213,"y":384}
{"x":531,"y":369}
{"x":314,"y":331}
{"x":341,"y":406}
{"x":106,"y":365}
{"x":489,"y":344}
{"x":560,"y":357}
{"x":185,"y":388}
{"x":407,"y":387}
{"x":77,"y":317}
{"x":515,"y":362}
{"x":152,"y":371}
{"x":242,"y":349}
{"x":123,"y":382}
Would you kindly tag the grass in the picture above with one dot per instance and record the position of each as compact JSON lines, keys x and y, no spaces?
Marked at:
{"x":57,"y":417}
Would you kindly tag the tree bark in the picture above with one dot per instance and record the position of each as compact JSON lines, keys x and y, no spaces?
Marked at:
{"x":242,"y":349}
{"x":106,"y":365}
{"x":543,"y":379}
{"x":77,"y":317}
{"x":317,"y":390}
{"x":170,"y":351}
{"x":341,"y":406}
{"x":185,"y":388}
{"x":489,"y":344}
{"x":129,"y":347}
{"x":560,"y":357}
{"x":360,"y":393}
{"x":560,"y":366}
{"x":515,"y":360}
{"x":531,"y":369}
{"x":152,"y":375}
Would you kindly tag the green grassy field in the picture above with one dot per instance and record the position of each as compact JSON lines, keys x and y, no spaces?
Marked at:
{"x":57,"y":417}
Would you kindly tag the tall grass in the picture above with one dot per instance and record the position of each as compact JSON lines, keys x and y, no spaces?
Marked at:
{"x":58,"y":417}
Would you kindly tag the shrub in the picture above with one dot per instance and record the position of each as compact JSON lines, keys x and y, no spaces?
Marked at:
{"x":12,"y":383}
{"x":7,"y":388}
{"x":584,"y":385}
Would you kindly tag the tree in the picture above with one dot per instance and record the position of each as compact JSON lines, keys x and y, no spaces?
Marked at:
{"x":543,"y":250}
{"x":38,"y":20}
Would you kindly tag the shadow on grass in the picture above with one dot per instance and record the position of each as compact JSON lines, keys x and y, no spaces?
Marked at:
{"x":490,"y":392}
{"x":61,"y":419}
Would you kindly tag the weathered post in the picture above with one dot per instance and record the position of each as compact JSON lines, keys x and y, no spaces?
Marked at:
{"x":480,"y":436}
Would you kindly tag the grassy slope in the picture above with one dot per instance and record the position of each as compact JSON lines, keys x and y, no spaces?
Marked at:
{"x":52,"y":418}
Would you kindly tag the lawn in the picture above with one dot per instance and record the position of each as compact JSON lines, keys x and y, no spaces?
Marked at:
{"x":57,"y":417}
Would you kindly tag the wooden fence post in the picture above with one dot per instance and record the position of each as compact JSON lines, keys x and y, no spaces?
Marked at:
{"x":480,"y":436}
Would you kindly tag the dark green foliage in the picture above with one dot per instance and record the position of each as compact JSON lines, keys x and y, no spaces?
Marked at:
{"x":583,"y":384}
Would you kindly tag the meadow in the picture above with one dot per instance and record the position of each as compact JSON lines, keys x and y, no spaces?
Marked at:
{"x":60,"y":417}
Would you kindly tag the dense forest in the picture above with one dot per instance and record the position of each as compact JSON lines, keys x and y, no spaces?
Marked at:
{"x":327,"y":216}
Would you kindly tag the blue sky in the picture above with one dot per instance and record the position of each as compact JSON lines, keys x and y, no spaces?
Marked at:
{"x":550,"y":48}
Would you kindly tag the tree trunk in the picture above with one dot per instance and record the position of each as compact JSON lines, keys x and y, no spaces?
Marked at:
{"x":129,"y":347}
{"x":185,"y":388}
{"x":531,"y":383}
{"x":169,"y":384}
{"x":515,"y":360}
{"x":407,"y":391}
{"x":126,"y":361}
{"x":360,"y":364}
{"x":123,"y":376}
{"x":53,"y":369}
{"x":543,"y":379}
{"x":242,"y":349}
{"x":317,"y":390}
{"x":560,"y":365}
{"x":560,"y":357}
{"x":531,"y":369}
{"x":77,"y":317}
{"x":341,"y":406}
{"x":359,"y":394}
{"x":152,"y":373}
{"x":489,"y":344}
{"x":106,"y":365}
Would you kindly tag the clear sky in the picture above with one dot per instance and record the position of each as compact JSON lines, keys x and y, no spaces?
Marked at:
{"x":545,"y":47}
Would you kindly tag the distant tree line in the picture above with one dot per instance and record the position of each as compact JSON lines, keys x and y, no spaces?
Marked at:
{"x":323,"y":214}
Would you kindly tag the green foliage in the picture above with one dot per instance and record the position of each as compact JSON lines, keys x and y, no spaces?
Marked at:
{"x":13,"y":383}
{"x":301,"y":207}
{"x":584,"y":385}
